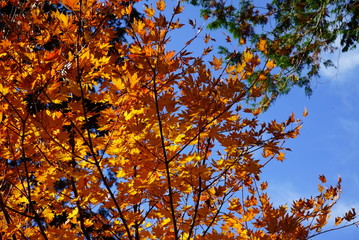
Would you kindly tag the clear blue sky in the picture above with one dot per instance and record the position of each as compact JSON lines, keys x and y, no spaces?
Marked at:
{"x":328,"y":143}
{"x":329,"y":139}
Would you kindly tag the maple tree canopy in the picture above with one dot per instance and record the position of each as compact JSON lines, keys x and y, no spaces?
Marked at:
{"x":108,"y":133}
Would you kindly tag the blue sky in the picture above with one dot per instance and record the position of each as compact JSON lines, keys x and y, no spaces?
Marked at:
{"x":329,"y":139}
{"x":328,"y":143}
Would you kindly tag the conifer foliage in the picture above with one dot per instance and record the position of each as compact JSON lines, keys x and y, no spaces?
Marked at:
{"x":108,"y":133}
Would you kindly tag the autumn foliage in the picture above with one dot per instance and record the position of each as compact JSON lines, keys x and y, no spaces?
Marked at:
{"x":108,"y":138}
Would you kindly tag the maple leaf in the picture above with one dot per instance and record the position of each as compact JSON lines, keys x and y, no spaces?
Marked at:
{"x":270,"y":64}
{"x":161,"y":5}
{"x":149,"y":11}
{"x":322,"y":178}
{"x":262,"y":45}
{"x":217,"y":63}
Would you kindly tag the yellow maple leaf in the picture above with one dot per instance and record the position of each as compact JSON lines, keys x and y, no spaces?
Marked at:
{"x":216,"y":63}
{"x":262,"y":45}
{"x":161,"y":5}
{"x":48,"y":214}
{"x":150,"y":12}
{"x":133,"y":79}
{"x":280,"y":157}
{"x":120,"y":173}
{"x":270,"y":64}
{"x":64,"y":19}
{"x":74,"y":212}
{"x":120,"y":85}
{"x":3,"y":90}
